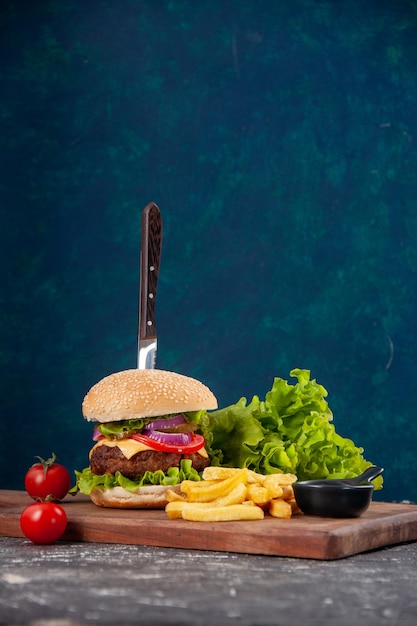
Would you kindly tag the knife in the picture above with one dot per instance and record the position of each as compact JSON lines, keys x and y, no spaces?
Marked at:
{"x":150,"y":255}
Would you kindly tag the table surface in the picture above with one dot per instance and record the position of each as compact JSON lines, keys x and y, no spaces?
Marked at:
{"x":68,"y":584}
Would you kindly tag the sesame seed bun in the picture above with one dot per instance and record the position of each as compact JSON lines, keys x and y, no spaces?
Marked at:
{"x":149,"y":497}
{"x":138,"y":393}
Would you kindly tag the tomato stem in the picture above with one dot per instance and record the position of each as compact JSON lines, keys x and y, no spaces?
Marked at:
{"x":46,"y":464}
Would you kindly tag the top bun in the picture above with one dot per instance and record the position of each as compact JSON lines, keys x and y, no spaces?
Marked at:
{"x":140,"y":393}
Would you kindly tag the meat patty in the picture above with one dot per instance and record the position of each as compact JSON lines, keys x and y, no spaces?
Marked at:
{"x":105,"y":460}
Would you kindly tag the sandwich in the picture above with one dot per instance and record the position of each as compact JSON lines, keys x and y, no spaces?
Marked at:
{"x":146,"y":438}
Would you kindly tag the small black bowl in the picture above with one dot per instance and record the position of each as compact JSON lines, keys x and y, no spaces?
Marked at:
{"x":332,"y":499}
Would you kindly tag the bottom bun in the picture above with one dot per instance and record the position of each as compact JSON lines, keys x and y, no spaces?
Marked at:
{"x":149,"y":497}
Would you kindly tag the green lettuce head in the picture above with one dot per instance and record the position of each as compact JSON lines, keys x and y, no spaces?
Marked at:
{"x":291,"y":430}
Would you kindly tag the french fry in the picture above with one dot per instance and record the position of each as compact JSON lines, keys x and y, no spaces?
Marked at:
{"x":173,"y":496}
{"x":232,"y":494}
{"x":207,"y":493}
{"x":284,"y":479}
{"x":280,"y":508}
{"x":254,"y":477}
{"x":236,"y":496}
{"x":186,"y":485}
{"x":273,"y":485}
{"x":258,"y":494}
{"x":294,"y":507}
{"x":234,"y":512}
{"x":287,"y":492}
{"x":175,"y":509}
{"x":221,"y":473}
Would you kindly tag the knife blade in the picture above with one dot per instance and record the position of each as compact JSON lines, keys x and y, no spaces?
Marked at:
{"x":150,"y":257}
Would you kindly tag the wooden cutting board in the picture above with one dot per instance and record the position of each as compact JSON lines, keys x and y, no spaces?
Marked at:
{"x":303,"y":536}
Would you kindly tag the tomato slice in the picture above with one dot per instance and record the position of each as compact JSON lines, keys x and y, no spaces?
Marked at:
{"x":197,"y":442}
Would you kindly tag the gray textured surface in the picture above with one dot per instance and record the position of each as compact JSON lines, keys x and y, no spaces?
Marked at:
{"x":67,"y":584}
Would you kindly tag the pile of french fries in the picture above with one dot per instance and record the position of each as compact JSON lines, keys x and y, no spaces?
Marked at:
{"x":229,"y":494}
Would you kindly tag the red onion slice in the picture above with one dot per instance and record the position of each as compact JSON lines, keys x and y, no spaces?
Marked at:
{"x":97,"y":434}
{"x":168,"y":422}
{"x":179,"y":439}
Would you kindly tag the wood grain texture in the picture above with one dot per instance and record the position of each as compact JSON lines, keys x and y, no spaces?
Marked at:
{"x":302,"y":536}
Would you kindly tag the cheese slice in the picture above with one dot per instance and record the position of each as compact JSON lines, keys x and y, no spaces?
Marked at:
{"x":130,"y":447}
{"x":203,"y":452}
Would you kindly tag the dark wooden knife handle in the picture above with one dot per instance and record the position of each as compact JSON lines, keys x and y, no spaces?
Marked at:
{"x":151,"y":246}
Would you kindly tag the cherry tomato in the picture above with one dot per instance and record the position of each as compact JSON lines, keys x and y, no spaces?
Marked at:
{"x":197,"y":442}
{"x":47,"y":479}
{"x":43,"y":522}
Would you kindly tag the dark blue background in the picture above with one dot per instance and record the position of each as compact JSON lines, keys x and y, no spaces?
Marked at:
{"x":279,"y":140}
